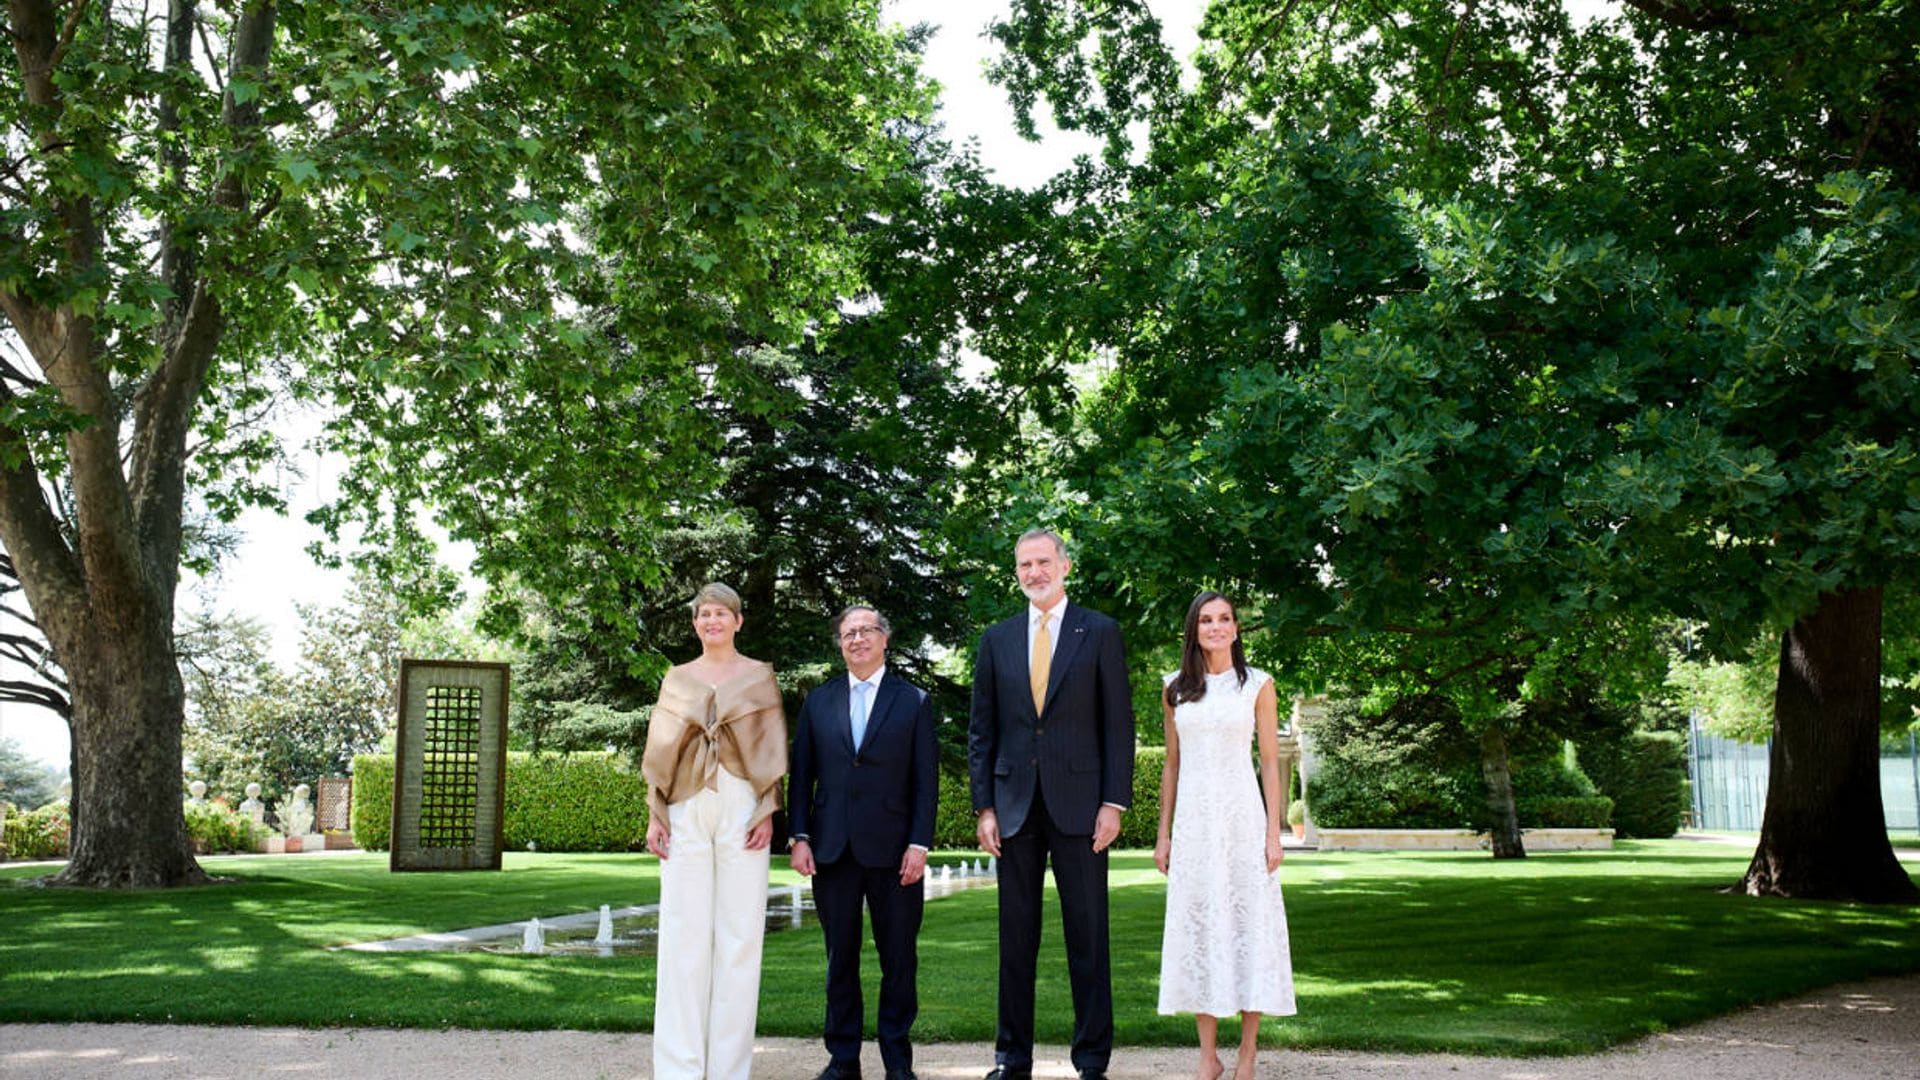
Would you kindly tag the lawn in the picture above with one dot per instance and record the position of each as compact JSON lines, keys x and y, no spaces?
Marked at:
{"x":1555,"y":953}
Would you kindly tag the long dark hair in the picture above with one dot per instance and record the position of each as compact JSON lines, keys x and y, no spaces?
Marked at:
{"x":1191,"y":683}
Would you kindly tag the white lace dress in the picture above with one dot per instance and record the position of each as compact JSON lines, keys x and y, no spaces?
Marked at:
{"x":1224,"y":949}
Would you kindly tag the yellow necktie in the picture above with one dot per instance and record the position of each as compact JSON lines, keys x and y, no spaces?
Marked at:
{"x":1038,"y":664}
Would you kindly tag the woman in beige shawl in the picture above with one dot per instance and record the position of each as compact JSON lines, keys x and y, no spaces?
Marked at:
{"x":716,"y":750}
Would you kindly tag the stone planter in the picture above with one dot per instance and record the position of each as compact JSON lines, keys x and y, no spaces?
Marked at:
{"x":340,"y":842}
{"x":289,"y":844}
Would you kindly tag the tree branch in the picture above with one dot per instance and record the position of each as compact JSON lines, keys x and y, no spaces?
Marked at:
{"x":163,"y":408}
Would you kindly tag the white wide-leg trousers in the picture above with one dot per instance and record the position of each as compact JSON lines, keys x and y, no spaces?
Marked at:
{"x":713,"y":915}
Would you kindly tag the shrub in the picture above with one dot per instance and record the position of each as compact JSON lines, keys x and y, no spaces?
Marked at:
{"x":1141,"y":822}
{"x":589,"y":801}
{"x":39,"y":834}
{"x":1645,"y":774}
{"x":372,"y":813}
{"x":953,"y":817}
{"x":1568,"y":812}
{"x":1554,"y":793}
{"x":1345,"y":795}
{"x":214,"y":827}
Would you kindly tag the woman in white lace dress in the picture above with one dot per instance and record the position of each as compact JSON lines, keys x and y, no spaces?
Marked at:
{"x":1225,"y":948}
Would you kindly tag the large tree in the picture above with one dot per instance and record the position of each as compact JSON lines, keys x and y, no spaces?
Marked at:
{"x":1476,"y":334}
{"x":834,"y":457}
{"x":388,"y":209}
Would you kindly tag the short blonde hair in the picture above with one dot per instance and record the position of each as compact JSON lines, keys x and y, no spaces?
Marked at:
{"x":713,"y":592}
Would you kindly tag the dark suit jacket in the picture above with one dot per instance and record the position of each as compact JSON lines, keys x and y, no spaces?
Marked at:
{"x":874,"y":801}
{"x":1079,"y":750}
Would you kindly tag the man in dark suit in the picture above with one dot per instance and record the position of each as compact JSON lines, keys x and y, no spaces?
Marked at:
{"x":863,"y":787}
{"x":1050,"y":757}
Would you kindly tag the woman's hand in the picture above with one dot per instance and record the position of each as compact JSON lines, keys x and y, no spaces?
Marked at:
{"x":658,"y":837}
{"x":1162,"y":851}
{"x":1275,"y":852}
{"x":761,"y":834}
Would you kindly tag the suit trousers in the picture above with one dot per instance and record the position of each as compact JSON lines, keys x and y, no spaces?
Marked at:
{"x":713,"y":918}
{"x":1080,"y":878}
{"x":839,"y":888}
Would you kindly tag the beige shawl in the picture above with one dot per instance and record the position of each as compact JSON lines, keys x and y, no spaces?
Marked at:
{"x":698,"y":729}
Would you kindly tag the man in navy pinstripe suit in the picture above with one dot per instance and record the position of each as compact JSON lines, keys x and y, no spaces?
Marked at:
{"x":862,"y":791}
{"x":1050,"y":758}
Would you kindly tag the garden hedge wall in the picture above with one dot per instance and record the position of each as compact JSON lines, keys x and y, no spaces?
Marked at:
{"x":953,"y":824}
{"x":583,"y":801}
{"x":594,"y":801}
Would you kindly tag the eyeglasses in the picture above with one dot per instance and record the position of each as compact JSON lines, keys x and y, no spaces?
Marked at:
{"x":855,"y":633}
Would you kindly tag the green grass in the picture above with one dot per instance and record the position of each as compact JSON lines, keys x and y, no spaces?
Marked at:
{"x":1552,"y":954}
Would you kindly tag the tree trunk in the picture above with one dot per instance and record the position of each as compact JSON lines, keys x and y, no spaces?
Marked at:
{"x":1825,"y":831}
{"x":1498,"y":775}
{"x":128,"y":709}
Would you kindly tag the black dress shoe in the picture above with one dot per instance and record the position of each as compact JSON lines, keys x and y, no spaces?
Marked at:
{"x":1093,"y":1074}
{"x":1010,"y":1072}
{"x":836,"y":1072}
{"x":901,"y":1074}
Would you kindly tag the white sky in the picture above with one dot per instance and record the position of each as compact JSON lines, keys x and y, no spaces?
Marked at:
{"x":271,"y":572}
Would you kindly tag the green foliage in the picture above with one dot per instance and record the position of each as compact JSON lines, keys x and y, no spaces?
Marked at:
{"x":954,"y":818}
{"x":1733,"y":697}
{"x":249,"y":721}
{"x":37,"y":834}
{"x":1412,"y":766}
{"x":575,"y":802}
{"x":24,"y":781}
{"x":586,"y":801}
{"x":1349,"y":795}
{"x":500,"y":256}
{"x":1140,"y":824}
{"x":214,"y":827}
{"x":372,"y":811}
{"x":1567,"y":812}
{"x":1644,"y":773}
{"x":1398,"y":337}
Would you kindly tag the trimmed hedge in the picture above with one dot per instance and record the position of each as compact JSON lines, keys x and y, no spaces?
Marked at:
{"x":371,"y":818}
{"x":587,"y":801}
{"x":953,"y":822}
{"x":1645,"y":774}
{"x":584,"y":801}
{"x":1569,"y":812}
{"x":595,"y":801}
{"x":1345,"y":795}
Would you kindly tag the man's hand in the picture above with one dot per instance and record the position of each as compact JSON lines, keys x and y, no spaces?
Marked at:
{"x":913,"y":865}
{"x":658,"y":837}
{"x":987,"y":829}
{"x":800,"y":857}
{"x":1106,"y":828}
{"x":760,"y":835}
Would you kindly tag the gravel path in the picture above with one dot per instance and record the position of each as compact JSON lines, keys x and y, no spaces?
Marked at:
{"x":1868,"y":1029}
